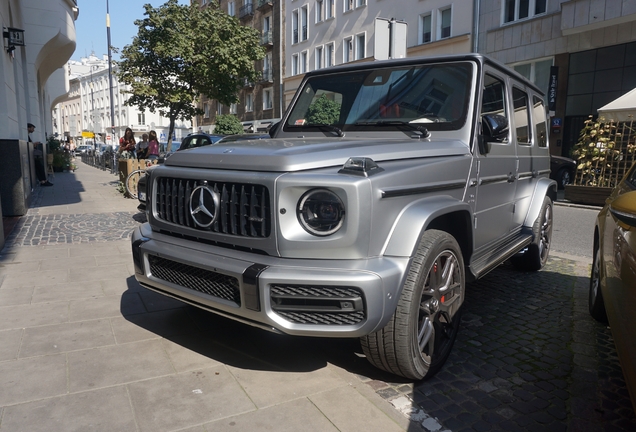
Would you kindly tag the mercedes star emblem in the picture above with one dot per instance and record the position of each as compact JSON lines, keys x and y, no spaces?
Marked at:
{"x":204,"y":206}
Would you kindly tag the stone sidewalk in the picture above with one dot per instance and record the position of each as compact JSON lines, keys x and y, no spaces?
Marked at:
{"x":84,"y":347}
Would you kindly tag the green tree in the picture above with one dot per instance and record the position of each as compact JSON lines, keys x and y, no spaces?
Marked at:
{"x":323,"y":111}
{"x":228,"y":124}
{"x":181,"y":52}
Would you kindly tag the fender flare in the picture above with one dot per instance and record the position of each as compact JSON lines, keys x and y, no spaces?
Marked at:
{"x":545,"y":186}
{"x":415,"y":218}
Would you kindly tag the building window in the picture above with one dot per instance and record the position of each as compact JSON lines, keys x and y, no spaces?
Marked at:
{"x":330,"y":8}
{"x":233,"y":108}
{"x":230,"y":8}
{"x":219,"y":108}
{"x":329,"y":54}
{"x":347,"y":50}
{"x":318,"y":64}
{"x":206,"y":110}
{"x":141,"y":119}
{"x":361,"y":3}
{"x":295,"y":36}
{"x":303,"y":62}
{"x":268,"y":99}
{"x":319,"y":11}
{"x":361,"y":45}
{"x":445,"y":23}
{"x":267,"y":24}
{"x":425,"y":28}
{"x":514,"y":10}
{"x":295,"y":69}
{"x":249,"y":102}
{"x":303,"y":23}
{"x":348,"y":5}
{"x":538,"y":72}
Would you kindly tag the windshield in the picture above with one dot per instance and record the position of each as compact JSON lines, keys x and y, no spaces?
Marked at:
{"x":434,"y":96}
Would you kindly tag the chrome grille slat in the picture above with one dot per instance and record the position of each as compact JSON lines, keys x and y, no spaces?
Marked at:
{"x":243,"y":210}
{"x":197,"y":279}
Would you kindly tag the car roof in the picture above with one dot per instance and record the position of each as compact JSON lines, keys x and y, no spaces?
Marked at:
{"x":243,"y":137}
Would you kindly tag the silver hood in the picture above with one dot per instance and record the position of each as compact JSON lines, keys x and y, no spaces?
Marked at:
{"x":287,"y":155}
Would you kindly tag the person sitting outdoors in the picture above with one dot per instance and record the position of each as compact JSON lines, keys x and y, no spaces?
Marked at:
{"x":141,"y":148}
{"x":153,"y":146}
{"x":127,"y":145}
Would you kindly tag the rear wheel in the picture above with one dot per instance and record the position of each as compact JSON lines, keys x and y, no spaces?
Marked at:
{"x":564,"y":177}
{"x":419,"y":337}
{"x":596,"y":303}
{"x":535,"y":256}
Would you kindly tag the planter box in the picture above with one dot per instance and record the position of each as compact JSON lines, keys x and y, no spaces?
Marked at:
{"x":589,"y":195}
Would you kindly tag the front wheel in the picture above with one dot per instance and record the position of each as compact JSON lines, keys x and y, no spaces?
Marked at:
{"x":535,"y":256}
{"x":418,"y":339}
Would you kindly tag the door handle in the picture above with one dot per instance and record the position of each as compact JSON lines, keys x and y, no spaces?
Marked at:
{"x":511,"y":177}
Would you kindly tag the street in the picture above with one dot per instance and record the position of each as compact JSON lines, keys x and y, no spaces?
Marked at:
{"x":573,"y":230}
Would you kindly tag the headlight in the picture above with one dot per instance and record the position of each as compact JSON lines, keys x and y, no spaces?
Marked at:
{"x":320,"y":212}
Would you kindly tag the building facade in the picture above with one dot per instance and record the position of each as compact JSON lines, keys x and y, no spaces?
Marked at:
{"x":325,"y":33}
{"x":38,"y":39}
{"x":585,"y":48}
{"x":260,"y":102}
{"x":85,"y":111}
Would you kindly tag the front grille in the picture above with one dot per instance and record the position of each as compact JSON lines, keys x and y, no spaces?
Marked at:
{"x":244,"y":208}
{"x":323,"y":305}
{"x":205,"y":281}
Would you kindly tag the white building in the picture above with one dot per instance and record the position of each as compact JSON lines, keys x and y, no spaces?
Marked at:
{"x":324,"y":33}
{"x":86,"y":109}
{"x":38,"y":39}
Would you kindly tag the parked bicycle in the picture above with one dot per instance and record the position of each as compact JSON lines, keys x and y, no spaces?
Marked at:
{"x":133,"y":179}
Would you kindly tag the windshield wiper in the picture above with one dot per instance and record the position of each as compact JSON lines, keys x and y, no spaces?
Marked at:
{"x":331,"y":128}
{"x":423,"y":131}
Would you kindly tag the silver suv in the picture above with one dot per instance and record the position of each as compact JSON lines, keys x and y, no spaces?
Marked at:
{"x":386,"y":187}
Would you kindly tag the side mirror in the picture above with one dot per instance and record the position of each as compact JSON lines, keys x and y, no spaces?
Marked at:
{"x":494,"y":127}
{"x":623,"y":208}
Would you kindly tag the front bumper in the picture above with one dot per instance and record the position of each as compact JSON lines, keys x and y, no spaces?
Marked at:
{"x":338,"y":298}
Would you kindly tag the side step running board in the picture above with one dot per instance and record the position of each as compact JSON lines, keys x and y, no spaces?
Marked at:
{"x":484,"y":263}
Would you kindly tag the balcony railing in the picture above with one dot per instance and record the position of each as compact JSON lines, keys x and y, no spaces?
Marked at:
{"x":263,"y":3}
{"x":267,"y":38}
{"x":246,"y":10}
{"x":247,"y":83}
{"x":304,"y":36}
{"x":295,"y":36}
{"x":267,"y":75}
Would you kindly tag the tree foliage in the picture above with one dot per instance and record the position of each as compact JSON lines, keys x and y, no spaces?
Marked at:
{"x":181,"y":52}
{"x":323,"y":111}
{"x":228,"y":124}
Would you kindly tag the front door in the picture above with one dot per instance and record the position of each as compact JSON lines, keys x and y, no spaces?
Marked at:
{"x":496,"y":170}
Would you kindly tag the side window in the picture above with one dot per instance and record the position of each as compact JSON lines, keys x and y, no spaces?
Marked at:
{"x":494,"y":98}
{"x":540,"y":128}
{"x":522,"y":116}
{"x":493,"y":105}
{"x":185,"y":144}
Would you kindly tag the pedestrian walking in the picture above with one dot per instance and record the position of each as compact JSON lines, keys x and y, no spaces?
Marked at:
{"x":38,"y":156}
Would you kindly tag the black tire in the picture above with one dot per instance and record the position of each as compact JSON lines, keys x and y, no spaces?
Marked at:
{"x":535,"y":256}
{"x":418,"y":339}
{"x":564,"y":177}
{"x":596,"y":303}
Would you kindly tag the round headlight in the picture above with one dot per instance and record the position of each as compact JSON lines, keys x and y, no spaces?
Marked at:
{"x":320,"y":212}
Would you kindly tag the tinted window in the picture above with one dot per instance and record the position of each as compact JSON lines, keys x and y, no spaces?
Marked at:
{"x":540,"y":128}
{"x":522,"y":115}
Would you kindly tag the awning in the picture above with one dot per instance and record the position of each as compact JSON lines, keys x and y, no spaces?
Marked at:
{"x":621,"y":109}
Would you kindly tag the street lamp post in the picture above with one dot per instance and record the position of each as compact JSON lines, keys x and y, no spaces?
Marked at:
{"x":110,"y":85}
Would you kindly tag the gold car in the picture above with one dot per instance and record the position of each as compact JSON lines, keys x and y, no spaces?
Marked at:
{"x":613,"y":278}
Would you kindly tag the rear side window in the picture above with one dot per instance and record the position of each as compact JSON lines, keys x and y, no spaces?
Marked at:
{"x":522,"y":116}
{"x":540,"y":127}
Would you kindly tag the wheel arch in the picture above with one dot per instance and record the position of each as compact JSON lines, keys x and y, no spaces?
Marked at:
{"x":443,"y":213}
{"x":544,"y":187}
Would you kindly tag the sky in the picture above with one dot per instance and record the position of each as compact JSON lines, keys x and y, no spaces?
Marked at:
{"x":90,"y":27}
